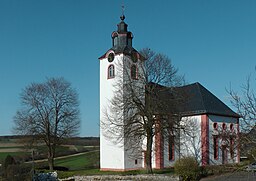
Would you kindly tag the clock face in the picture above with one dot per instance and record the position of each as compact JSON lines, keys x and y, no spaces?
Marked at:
{"x":111,"y":57}
{"x":134,"y":57}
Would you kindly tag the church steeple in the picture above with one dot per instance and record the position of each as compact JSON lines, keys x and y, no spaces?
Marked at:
{"x":122,"y":37}
{"x":122,"y":40}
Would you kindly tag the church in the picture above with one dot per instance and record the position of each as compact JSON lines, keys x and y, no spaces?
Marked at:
{"x":214,"y":126}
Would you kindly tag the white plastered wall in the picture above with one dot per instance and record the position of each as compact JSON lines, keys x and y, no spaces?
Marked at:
{"x":114,"y":155}
{"x":189,"y":142}
{"x":111,"y":152}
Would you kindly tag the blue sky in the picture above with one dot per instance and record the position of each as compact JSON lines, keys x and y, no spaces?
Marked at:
{"x":212,"y":42}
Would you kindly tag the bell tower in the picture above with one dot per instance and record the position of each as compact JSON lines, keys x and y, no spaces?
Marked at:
{"x":115,"y":155}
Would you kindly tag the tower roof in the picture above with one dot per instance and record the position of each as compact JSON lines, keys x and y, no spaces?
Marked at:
{"x":121,"y":40}
{"x":122,"y":26}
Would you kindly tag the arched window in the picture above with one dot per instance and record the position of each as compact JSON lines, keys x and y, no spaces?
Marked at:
{"x":231,"y":127}
{"x":134,"y":72}
{"x":224,"y":126}
{"x":215,"y":126}
{"x":111,"y":71}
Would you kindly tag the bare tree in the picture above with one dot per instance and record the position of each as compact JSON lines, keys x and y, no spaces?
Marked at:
{"x":141,"y":111}
{"x":245,"y":103}
{"x":50,"y":112}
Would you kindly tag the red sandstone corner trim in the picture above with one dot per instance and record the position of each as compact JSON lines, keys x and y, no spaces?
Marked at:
{"x":159,"y":147}
{"x":205,"y":139}
{"x":238,"y":141}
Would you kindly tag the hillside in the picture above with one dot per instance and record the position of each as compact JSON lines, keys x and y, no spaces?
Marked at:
{"x":21,"y":148}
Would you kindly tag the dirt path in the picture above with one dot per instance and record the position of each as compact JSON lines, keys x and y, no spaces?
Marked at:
{"x":67,"y":156}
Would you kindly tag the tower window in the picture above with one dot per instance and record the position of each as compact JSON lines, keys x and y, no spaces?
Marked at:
{"x":111,"y":71}
{"x":111,"y":57}
{"x":134,"y":72}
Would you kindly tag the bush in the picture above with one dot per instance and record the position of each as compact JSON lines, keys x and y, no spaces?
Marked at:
{"x":187,"y":168}
{"x":251,"y":155}
{"x":9,"y":160}
{"x":18,"y":172}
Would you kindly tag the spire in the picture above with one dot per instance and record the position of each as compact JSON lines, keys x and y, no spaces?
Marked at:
{"x":122,"y":17}
{"x":122,"y":26}
{"x":122,"y":37}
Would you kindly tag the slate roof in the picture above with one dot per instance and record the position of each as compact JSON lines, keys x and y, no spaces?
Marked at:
{"x":199,"y":100}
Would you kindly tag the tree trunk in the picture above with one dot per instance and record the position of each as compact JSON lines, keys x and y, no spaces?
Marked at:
{"x":50,"y":158}
{"x":51,"y":163}
{"x":149,"y":154}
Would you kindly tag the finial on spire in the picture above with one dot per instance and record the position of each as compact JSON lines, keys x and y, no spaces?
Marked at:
{"x":122,"y":17}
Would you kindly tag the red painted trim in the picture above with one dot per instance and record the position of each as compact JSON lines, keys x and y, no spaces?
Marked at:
{"x":231,"y":148}
{"x":238,"y":141}
{"x":114,"y":34}
{"x":136,"y":76}
{"x":159,"y":147}
{"x":107,"y":53}
{"x":122,"y":34}
{"x":215,"y":148}
{"x":205,"y":139}
{"x":144,"y":154}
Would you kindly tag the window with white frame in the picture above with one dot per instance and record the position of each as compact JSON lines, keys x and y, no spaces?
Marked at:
{"x":111,"y":71}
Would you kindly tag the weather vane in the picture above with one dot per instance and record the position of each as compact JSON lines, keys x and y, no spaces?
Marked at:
{"x":123,"y":8}
{"x":122,"y":16}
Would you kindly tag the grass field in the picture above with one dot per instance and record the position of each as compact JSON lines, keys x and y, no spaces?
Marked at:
{"x":4,"y":154}
{"x":15,"y":146}
{"x":85,"y":160}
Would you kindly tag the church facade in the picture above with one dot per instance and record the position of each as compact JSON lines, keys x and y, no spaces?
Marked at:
{"x":214,"y":127}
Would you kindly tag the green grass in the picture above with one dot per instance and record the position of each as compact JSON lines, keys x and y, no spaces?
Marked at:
{"x":4,"y":154}
{"x":86,"y":164}
{"x":86,"y":160}
{"x":44,"y":149}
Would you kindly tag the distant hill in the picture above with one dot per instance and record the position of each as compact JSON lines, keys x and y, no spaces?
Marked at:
{"x":88,"y":141}
{"x":18,"y":146}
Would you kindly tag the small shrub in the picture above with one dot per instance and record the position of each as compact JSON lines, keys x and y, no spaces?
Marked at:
{"x":9,"y":160}
{"x":251,"y":155}
{"x":187,"y":168}
{"x":18,"y":172}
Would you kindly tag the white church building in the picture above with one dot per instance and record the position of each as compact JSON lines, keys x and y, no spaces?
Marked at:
{"x":214,"y":125}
